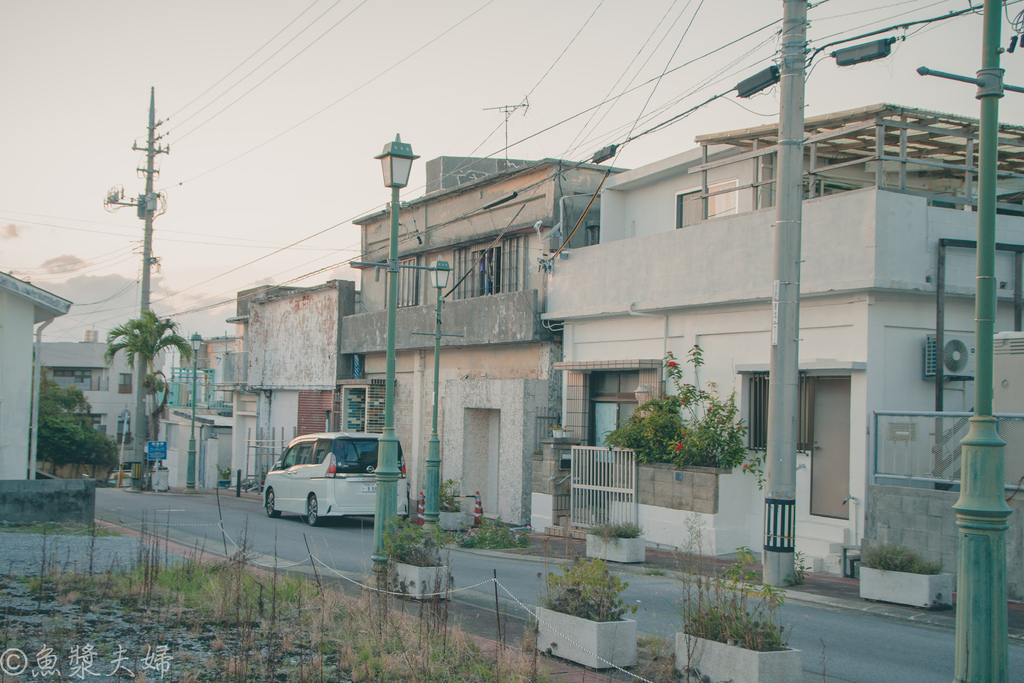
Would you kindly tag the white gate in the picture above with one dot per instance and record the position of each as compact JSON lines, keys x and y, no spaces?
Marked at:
{"x":603,"y":486}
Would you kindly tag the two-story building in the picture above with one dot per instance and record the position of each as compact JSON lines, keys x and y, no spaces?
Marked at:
{"x":685,"y":257}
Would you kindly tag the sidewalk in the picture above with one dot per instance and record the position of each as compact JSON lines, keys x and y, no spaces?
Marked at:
{"x":824,"y":589}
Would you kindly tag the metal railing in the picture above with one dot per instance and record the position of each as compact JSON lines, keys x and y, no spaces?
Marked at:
{"x":603,"y":486}
{"x":925,"y":447}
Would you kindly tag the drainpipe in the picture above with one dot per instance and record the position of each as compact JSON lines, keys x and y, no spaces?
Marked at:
{"x":35,"y":402}
{"x":664,"y":334}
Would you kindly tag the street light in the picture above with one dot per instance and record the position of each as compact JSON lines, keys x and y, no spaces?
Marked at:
{"x":439,"y":276}
{"x":396,"y":163}
{"x":190,"y":473}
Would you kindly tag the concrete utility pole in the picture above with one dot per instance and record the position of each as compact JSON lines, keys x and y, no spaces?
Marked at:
{"x":981,"y":511}
{"x":146,"y":207}
{"x":783,"y":382}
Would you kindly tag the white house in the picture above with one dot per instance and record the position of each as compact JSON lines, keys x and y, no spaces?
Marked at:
{"x":685,"y":257}
{"x":22,"y":306}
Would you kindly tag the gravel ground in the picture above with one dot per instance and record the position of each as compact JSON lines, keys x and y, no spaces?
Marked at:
{"x":23,"y":554}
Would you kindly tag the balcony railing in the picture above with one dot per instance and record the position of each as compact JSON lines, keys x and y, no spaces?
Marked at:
{"x":208,"y":397}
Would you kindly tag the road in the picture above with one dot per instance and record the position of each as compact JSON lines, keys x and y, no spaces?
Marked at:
{"x":848,"y":645}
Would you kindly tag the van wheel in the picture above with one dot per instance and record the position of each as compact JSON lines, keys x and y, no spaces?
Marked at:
{"x":271,"y":512}
{"x":312,"y":512}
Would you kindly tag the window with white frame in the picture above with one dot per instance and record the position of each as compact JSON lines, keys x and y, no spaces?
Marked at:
{"x":408,"y":283}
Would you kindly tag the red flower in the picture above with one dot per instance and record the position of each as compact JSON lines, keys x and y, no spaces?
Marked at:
{"x":679,"y":446}
{"x":672,"y":364}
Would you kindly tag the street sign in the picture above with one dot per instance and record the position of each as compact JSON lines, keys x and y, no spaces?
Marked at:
{"x":156,"y":450}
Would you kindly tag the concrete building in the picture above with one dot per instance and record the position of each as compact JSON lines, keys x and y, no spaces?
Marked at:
{"x":109,"y":388}
{"x":685,"y":257}
{"x":493,"y":221}
{"x":22,"y":307}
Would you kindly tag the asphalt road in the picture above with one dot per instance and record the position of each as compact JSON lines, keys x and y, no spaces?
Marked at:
{"x":846,"y":645}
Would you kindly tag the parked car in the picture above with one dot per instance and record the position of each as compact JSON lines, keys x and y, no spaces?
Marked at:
{"x":331,"y":474}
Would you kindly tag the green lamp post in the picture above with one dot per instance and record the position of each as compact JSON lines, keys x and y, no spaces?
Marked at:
{"x":396,"y":163}
{"x":190,"y":474}
{"x":439,"y":276}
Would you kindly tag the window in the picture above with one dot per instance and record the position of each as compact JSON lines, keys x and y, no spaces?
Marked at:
{"x":305,"y":453}
{"x":613,"y":395}
{"x":76,"y":377}
{"x":690,"y":208}
{"x":408,"y":283}
{"x":124,"y":383}
{"x":97,"y":423}
{"x":593,"y":234}
{"x":490,"y":270}
{"x":757,"y":412}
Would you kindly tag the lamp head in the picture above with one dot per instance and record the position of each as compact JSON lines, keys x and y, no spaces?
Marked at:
{"x":440,"y":274}
{"x":396,"y":162}
{"x":197,"y":341}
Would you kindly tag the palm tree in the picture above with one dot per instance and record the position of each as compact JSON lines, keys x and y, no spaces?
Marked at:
{"x":143,"y":339}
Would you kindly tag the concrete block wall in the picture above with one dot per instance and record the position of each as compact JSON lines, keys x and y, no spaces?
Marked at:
{"x":924,"y":520}
{"x":48,"y":500}
{"x":694,"y":489}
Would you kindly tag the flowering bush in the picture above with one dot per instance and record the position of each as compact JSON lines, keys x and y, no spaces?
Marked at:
{"x":494,"y":535}
{"x":695,"y":427}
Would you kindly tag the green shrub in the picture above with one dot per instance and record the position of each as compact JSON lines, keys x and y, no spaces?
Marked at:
{"x":609,"y":531}
{"x":448,"y":498}
{"x":897,"y":558}
{"x":409,"y":543}
{"x":494,"y":535}
{"x":695,"y":427}
{"x":586,"y":589}
{"x":733,"y":609}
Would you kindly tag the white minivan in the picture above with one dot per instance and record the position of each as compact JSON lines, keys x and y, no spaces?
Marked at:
{"x":329,"y":474}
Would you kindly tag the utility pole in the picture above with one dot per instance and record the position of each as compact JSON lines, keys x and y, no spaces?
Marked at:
{"x":981,"y":511}
{"x":783,"y":382}
{"x":146,"y":208}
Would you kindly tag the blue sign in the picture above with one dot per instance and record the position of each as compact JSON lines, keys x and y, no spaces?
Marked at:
{"x":156,"y":450}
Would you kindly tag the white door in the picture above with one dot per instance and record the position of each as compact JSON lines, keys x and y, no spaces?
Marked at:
{"x":830,"y":457}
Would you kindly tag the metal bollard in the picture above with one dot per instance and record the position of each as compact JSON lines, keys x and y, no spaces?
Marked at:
{"x":238,"y":483}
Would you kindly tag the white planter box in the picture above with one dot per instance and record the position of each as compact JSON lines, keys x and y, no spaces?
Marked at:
{"x":417,"y":582}
{"x":919,"y":590}
{"x":626,"y":550}
{"x":614,"y":641}
{"x":721,"y":662}
{"x":450,"y":521}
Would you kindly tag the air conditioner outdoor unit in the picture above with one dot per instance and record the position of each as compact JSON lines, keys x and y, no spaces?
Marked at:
{"x":957,"y":358}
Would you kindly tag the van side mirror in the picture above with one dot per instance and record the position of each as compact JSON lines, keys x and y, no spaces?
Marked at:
{"x":279,"y":465}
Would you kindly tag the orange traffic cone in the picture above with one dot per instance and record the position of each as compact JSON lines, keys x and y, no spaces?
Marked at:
{"x":421,"y":503}
{"x":478,"y":510}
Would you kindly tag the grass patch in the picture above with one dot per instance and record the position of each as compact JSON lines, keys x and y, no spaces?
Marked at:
{"x":228,"y":621}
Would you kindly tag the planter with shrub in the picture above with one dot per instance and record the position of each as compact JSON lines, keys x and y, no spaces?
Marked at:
{"x":414,"y":560}
{"x":622,"y":542}
{"x":582,"y":617}
{"x":732,"y":629}
{"x":449,"y":506}
{"x":894,"y":573}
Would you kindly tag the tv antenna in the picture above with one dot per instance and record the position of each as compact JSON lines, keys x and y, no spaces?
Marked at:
{"x":508,"y":110}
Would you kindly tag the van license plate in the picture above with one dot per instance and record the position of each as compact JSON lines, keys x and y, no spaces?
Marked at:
{"x":369,"y":488}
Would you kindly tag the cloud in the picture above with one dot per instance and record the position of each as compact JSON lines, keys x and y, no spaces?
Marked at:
{"x":64,"y":263}
{"x":10,"y":231}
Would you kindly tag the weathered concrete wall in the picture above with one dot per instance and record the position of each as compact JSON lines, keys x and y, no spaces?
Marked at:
{"x":496,"y":319}
{"x":694,"y":488}
{"x":924,"y":520}
{"x":482,"y":415}
{"x":48,"y":500}
{"x":293,"y":338}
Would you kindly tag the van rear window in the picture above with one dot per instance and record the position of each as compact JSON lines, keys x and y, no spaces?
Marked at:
{"x":358,"y":455}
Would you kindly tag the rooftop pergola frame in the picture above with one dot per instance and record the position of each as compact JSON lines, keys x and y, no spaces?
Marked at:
{"x":888,"y":146}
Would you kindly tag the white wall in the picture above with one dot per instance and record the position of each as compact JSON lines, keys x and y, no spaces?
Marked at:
{"x":16,"y":337}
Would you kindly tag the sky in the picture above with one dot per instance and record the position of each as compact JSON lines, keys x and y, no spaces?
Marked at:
{"x":273,"y":112}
